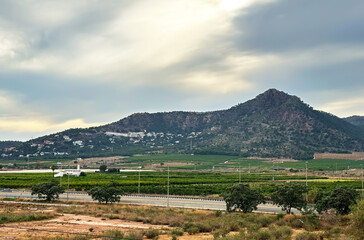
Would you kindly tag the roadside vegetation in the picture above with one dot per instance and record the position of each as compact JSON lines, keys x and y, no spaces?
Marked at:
{"x":21,"y":213}
{"x":219,"y":225}
{"x":236,"y":225}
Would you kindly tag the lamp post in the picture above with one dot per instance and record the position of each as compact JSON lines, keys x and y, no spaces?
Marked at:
{"x":306,"y":183}
{"x":168,"y":188}
{"x":239,"y":174}
{"x":68,"y":188}
{"x":139,"y":180}
{"x":362,"y":183}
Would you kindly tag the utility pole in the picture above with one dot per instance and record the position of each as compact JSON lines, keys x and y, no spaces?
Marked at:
{"x":68,"y":188}
{"x":139,"y":182}
{"x":306,"y":183}
{"x":362,"y":184}
{"x":168,"y":188}
{"x":239,"y":174}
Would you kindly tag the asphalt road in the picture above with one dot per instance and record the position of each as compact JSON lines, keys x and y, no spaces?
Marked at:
{"x":162,"y":201}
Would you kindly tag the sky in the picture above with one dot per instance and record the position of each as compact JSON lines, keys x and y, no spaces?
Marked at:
{"x":74,"y":63}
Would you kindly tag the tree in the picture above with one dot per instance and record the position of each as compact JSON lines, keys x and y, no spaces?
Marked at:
{"x":103,"y":168}
{"x":53,"y":167}
{"x":109,"y":193}
{"x":50,"y":190}
{"x":290,"y":195}
{"x":340,"y":199}
{"x":242,"y":197}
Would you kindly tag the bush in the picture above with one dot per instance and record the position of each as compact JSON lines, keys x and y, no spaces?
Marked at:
{"x":204,"y":227}
{"x":297,"y":223}
{"x":282,"y":233}
{"x":218,"y":213}
{"x":280,"y":215}
{"x":192,"y":230}
{"x":311,"y":222}
{"x":177,"y":231}
{"x":261,"y":235}
{"x":152,"y":233}
{"x":306,"y":236}
{"x":329,"y":217}
{"x":114,"y":233}
{"x":134,"y":236}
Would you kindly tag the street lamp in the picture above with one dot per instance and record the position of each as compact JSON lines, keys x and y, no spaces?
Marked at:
{"x":168,"y":188}
{"x":306,"y":183}
{"x":68,"y":188}
{"x":362,"y":184}
{"x":139,"y":180}
{"x":239,"y":174}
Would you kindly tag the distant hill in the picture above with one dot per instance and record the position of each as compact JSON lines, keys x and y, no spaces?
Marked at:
{"x":274,"y":124}
{"x":8,"y":144}
{"x":356,"y":120}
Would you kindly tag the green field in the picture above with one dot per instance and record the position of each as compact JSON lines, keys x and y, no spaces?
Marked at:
{"x":209,"y":162}
{"x":181,"y":183}
{"x":204,"y":162}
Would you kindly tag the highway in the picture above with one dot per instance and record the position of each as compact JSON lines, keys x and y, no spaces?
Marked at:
{"x":161,"y":201}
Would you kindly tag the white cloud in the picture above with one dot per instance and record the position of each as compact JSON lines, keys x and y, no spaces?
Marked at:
{"x":143,"y":37}
{"x":19,"y":125}
{"x":345,"y":107}
{"x":19,"y":117}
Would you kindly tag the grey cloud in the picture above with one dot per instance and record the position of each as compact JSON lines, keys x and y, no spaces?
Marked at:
{"x":299,"y":24}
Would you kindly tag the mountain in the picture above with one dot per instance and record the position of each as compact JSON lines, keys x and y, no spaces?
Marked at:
{"x":355,"y":120}
{"x":9,"y":144}
{"x":274,"y":124}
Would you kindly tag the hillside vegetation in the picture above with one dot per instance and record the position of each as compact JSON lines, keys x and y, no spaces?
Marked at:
{"x":274,"y":124}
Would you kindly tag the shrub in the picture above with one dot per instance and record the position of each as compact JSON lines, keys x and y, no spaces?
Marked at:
{"x":134,"y":236}
{"x":306,"y":236}
{"x":297,"y":223}
{"x":177,"y":231}
{"x":261,"y":235}
{"x":218,"y":213}
{"x":280,"y":215}
{"x":311,"y":222}
{"x":152,"y":233}
{"x":329,"y":217}
{"x":114,"y":233}
{"x":282,"y":233}
{"x":192,"y":230}
{"x":204,"y":227}
{"x":266,"y":220}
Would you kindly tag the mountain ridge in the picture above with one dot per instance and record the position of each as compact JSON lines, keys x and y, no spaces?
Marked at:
{"x":273,"y":124}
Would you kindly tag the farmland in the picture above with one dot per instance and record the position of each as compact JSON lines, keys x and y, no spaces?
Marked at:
{"x":197,"y":174}
{"x":181,"y":183}
{"x":195,"y":162}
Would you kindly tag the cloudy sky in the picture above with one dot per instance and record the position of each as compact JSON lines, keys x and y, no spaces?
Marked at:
{"x":82,"y":63}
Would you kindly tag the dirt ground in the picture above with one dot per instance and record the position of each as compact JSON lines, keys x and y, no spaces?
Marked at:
{"x":66,"y":224}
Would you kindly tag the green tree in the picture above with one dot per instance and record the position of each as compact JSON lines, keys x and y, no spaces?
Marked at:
{"x":290,"y":195}
{"x":53,"y":167}
{"x":103,"y":168}
{"x":49,"y":190}
{"x":340,"y":199}
{"x":109,"y":193}
{"x":242,"y":197}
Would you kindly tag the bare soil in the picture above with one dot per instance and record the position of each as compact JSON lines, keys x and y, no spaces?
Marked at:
{"x":66,"y":224}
